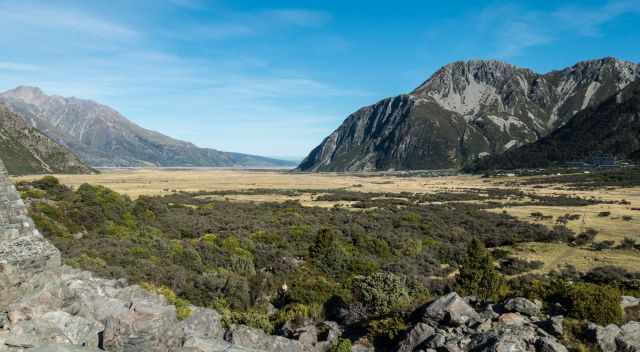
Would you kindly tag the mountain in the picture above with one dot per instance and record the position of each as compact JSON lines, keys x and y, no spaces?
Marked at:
{"x":25,"y":150}
{"x":611,"y":128}
{"x":103,"y":137}
{"x":467,"y":111}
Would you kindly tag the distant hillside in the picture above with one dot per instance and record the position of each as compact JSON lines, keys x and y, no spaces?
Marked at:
{"x":25,"y":150}
{"x":101,"y":136}
{"x":467,"y":111}
{"x":612,"y":127}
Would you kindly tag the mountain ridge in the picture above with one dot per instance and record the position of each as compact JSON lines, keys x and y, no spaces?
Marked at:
{"x":470,"y":109}
{"x":103,"y":137}
{"x":26,"y":150}
{"x":611,"y":128}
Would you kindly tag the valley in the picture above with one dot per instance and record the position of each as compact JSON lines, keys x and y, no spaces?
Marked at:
{"x":328,"y":176}
{"x":269,"y":186}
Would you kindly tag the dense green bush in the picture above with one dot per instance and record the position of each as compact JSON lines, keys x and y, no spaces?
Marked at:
{"x":596,"y":303}
{"x":478,"y":275}
{"x":381,"y":292}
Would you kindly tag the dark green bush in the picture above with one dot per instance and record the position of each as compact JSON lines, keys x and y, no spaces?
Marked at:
{"x":478,"y":275}
{"x":596,"y":303}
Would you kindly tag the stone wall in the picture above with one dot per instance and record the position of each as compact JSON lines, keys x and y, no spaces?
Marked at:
{"x":23,"y":250}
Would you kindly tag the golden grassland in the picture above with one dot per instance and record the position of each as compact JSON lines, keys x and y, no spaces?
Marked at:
{"x":614,"y":227}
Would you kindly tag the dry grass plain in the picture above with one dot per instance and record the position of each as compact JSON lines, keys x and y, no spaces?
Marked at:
{"x":623,"y":221}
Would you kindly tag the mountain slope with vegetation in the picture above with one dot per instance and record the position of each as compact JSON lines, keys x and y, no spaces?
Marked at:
{"x":25,"y":150}
{"x":611,"y":128}
{"x":103,"y":137}
{"x":466,"y":111}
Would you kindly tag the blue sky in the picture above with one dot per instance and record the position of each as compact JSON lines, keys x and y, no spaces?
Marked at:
{"x":275,"y":77}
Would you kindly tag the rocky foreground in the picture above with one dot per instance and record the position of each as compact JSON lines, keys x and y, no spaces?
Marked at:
{"x":46,"y":306}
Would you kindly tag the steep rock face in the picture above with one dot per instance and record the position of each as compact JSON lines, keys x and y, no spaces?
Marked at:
{"x":465,"y":111}
{"x":612,"y":127}
{"x":103,"y":137}
{"x":26,"y":150}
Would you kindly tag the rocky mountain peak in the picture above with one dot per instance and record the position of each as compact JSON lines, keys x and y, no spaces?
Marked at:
{"x":466,"y":86}
{"x":26,"y":93}
{"x":602,"y":70}
{"x":485,"y":71}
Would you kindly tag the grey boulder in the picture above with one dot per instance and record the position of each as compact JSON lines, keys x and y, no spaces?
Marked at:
{"x":451,"y":309}
{"x":523,"y":306}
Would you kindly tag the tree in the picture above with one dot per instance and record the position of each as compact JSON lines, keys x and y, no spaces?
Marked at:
{"x":328,"y":253}
{"x":478,"y":275}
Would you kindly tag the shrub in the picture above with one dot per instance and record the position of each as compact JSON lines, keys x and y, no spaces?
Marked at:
{"x":380,"y":292}
{"x":298,"y":313}
{"x":600,"y":246}
{"x":385,"y":331}
{"x":604,"y":214}
{"x":478,"y":275}
{"x":32,"y":193}
{"x":254,"y":319}
{"x":585,"y":237}
{"x":597,"y":303}
{"x":343,"y":345}
{"x":627,"y":243}
{"x":515,"y":266}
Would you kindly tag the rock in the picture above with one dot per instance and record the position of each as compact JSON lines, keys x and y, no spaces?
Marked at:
{"x":437,"y":341}
{"x":63,"y":348}
{"x":204,"y":323}
{"x":629,"y":338}
{"x":451,"y":309}
{"x":415,"y":337}
{"x":546,"y":344}
{"x":489,"y":312}
{"x":308,"y":335}
{"x":358,"y":347}
{"x":512,"y":319}
{"x":246,"y":337}
{"x":333,"y":331}
{"x":605,"y":337}
{"x":78,"y":330}
{"x":195,"y":344}
{"x":450,"y":347}
{"x":483,"y":326}
{"x":523,"y":306}
{"x":629,"y":302}
{"x":554,"y":325}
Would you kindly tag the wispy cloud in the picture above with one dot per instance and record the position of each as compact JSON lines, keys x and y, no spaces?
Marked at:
{"x":588,"y":21}
{"x":250,"y":24}
{"x":511,"y":29}
{"x":14,"y":66}
{"x":68,"y":19}
{"x":507,"y":31}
